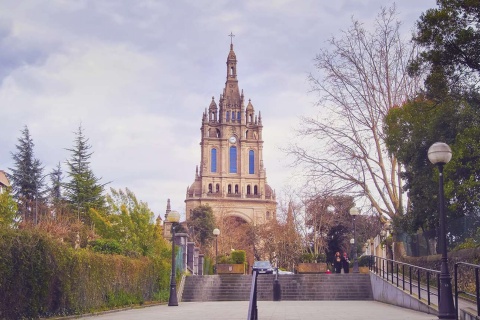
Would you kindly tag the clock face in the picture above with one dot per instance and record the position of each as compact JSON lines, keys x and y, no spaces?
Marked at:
{"x":232,"y":139}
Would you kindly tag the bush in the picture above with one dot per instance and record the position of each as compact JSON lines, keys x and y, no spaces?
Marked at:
{"x":41,"y":277}
{"x":239,"y":256}
{"x":363,"y":261}
{"x":311,"y":258}
{"x":106,"y":246}
{"x":469,"y":243}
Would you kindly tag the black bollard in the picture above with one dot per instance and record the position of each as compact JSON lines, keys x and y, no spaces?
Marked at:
{"x":277,"y":290}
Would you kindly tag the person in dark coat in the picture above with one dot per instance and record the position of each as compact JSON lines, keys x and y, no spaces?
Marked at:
{"x":337,"y":263}
{"x":345,"y":263}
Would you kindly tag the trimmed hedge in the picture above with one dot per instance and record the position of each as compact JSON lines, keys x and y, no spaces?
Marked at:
{"x":41,"y":277}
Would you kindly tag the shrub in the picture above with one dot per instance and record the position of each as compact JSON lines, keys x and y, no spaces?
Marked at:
{"x":469,"y":243}
{"x":41,"y":277}
{"x":106,"y":246}
{"x":239,"y":256}
{"x":363,"y":261}
{"x":311,"y":258}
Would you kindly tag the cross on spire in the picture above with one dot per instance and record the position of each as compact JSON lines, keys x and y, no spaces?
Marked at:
{"x":231,"y":35}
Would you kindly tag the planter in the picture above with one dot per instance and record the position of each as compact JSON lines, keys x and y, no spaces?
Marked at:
{"x":312,"y":267}
{"x":231,"y":268}
{"x":363,"y":270}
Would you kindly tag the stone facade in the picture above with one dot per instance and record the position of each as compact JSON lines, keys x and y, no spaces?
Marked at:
{"x":231,"y":177}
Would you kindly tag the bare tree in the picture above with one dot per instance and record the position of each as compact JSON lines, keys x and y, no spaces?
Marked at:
{"x":362,"y":76}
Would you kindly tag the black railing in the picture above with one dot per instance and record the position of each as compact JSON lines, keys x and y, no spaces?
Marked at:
{"x":397,"y":273}
{"x":252,"y":306}
{"x":468,"y":294}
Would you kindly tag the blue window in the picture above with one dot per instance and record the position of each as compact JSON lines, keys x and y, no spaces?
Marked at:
{"x":228,"y":116}
{"x":213,"y":160}
{"x":238,"y":116}
{"x":233,"y":159}
{"x":251,"y":162}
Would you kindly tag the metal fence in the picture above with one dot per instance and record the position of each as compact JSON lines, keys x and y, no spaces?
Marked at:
{"x":425,"y":243}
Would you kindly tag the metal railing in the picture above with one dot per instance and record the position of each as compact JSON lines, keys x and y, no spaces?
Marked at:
{"x":475,"y":296}
{"x":403,"y":274}
{"x":252,"y":306}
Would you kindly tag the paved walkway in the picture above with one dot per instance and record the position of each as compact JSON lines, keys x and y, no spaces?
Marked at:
{"x":270,"y":310}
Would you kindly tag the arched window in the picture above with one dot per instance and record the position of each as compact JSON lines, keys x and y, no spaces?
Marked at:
{"x":255,"y":190}
{"x":236,"y":189}
{"x":229,"y":188}
{"x":217,"y":188}
{"x":210,"y":188}
{"x":228,"y":116}
{"x":251,"y":162}
{"x":249,"y":189}
{"x":238,"y":116}
{"x":233,"y":159}
{"x":213,"y":160}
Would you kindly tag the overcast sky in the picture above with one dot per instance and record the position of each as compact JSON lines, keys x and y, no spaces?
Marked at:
{"x":137,"y":75}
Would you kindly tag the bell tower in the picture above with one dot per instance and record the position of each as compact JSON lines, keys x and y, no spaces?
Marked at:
{"x":231,"y":177}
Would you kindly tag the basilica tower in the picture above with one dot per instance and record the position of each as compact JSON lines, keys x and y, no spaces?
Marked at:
{"x":231,"y":177}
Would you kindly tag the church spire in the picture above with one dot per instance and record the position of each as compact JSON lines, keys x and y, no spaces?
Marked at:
{"x":232,"y":99}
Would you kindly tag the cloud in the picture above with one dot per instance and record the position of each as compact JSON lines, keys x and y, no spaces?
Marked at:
{"x":137,"y":75}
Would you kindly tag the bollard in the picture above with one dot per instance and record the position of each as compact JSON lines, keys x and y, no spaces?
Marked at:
{"x":277,"y":290}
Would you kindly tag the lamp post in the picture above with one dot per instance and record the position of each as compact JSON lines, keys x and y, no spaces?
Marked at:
{"x":440,"y":154}
{"x":216,"y":233}
{"x":352,"y":247}
{"x":354,"y":211}
{"x":173,"y":217}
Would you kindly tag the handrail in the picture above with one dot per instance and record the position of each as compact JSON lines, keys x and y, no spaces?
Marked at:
{"x":477,"y":286}
{"x":252,"y":306}
{"x":379,"y":268}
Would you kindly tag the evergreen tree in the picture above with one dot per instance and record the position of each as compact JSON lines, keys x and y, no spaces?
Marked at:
{"x":56,"y":189}
{"x":83,"y":191}
{"x":26,"y":177}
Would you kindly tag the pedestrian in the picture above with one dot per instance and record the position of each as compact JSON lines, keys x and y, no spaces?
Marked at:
{"x":345,"y":263}
{"x":337,"y":262}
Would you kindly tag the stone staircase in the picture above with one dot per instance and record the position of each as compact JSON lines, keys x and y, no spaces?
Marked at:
{"x":352,"y":286}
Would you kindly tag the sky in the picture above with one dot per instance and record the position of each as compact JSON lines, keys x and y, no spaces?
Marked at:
{"x":137,"y":75}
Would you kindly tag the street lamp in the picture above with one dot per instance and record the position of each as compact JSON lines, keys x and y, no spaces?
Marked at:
{"x":216,"y":233}
{"x":352,"y":246}
{"x":354,"y":211}
{"x":173,"y":217}
{"x":440,"y":154}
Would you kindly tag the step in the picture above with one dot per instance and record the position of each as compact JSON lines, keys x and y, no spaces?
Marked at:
{"x":293,"y":287}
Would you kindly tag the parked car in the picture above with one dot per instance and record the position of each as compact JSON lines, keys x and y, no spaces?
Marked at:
{"x":262,"y":267}
{"x":284,"y":272}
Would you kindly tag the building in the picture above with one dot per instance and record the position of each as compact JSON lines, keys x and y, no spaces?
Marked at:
{"x":4,"y":184}
{"x":231,"y":177}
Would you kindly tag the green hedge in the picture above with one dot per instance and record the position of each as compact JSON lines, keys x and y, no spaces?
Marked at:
{"x":41,"y":277}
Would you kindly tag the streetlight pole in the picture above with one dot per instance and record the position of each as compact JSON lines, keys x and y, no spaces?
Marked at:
{"x":354,"y":212}
{"x":440,"y":154}
{"x":216,"y":233}
{"x":173,"y":218}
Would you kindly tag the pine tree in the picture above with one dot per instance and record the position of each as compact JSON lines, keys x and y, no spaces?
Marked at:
{"x":83,"y":191}
{"x":26,"y":177}
{"x":55,"y":193}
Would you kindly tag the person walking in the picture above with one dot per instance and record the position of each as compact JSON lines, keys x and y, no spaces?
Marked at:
{"x":345,"y":263}
{"x":337,"y":262}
